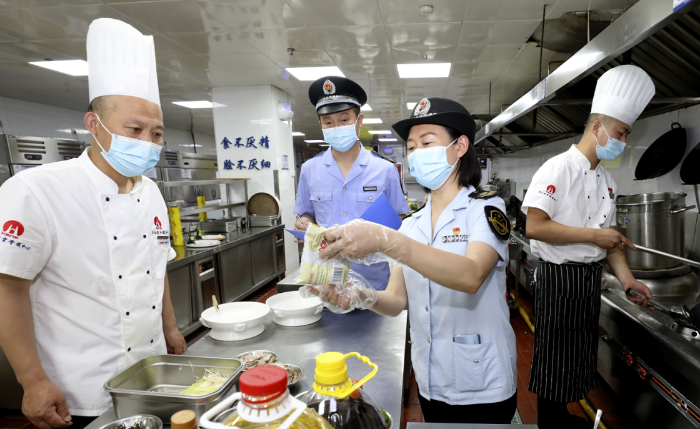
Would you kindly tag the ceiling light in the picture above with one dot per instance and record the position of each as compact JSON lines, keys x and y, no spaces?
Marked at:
{"x":365,"y":108}
{"x":297,"y":133}
{"x":372,"y":121}
{"x":71,"y":67}
{"x":411,"y":105}
{"x":313,"y":73}
{"x":388,"y":140}
{"x":380,"y":132}
{"x":407,"y":71}
{"x":315,"y":141}
{"x":425,"y":10}
{"x":195,"y":104}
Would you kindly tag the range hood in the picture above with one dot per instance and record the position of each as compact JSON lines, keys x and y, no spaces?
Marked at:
{"x":660,"y":36}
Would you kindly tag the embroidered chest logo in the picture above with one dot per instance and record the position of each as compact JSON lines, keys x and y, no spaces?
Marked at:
{"x":157,"y":223}
{"x":11,"y":231}
{"x":498,"y":222}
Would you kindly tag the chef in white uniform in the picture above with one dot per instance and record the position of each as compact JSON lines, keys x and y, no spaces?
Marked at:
{"x":84,"y":246}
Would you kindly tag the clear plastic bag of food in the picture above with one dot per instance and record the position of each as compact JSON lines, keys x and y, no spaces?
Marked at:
{"x":355,"y":294}
{"x":315,"y":270}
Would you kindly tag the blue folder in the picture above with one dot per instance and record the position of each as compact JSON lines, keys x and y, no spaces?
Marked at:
{"x":383,"y":213}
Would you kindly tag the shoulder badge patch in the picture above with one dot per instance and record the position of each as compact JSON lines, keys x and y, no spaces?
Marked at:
{"x":483,"y":195}
{"x":498,"y":222}
{"x":422,"y":108}
{"x":328,"y":87}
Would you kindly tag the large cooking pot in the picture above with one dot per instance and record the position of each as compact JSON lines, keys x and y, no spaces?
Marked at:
{"x":653,"y":220}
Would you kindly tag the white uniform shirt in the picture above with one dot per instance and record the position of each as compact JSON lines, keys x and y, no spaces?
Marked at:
{"x":572,"y":194}
{"x":97,"y":263}
{"x":460,"y":374}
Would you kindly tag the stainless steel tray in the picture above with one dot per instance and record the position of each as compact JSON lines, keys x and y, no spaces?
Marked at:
{"x":263,"y":220}
{"x":152,"y":385}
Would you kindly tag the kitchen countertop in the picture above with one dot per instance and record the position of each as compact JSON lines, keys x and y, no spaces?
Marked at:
{"x":382,"y":339}
{"x":186,"y":255}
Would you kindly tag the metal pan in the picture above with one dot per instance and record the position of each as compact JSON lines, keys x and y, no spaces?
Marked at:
{"x":690,"y":173}
{"x":663,"y":155}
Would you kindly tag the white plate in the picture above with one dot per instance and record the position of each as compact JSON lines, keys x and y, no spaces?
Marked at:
{"x":291,"y":309}
{"x":237,"y":336}
{"x":213,"y":237}
{"x":204,"y":243}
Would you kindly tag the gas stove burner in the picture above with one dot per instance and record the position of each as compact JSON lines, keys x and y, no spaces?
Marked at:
{"x":686,"y":332}
{"x":661,"y":274}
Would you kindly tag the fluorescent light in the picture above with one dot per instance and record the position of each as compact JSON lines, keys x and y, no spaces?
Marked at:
{"x":380,"y":132}
{"x":313,"y":73}
{"x":372,"y":121}
{"x":297,"y":133}
{"x":323,"y":145}
{"x":195,"y":104}
{"x":411,"y":105}
{"x":315,"y":141}
{"x":388,"y":140}
{"x":71,"y":67}
{"x":407,"y":71}
{"x":365,"y":108}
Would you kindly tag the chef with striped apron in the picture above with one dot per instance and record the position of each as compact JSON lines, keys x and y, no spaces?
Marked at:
{"x":570,"y":206}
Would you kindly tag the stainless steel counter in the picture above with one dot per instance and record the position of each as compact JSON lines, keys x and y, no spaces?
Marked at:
{"x":186,"y":255}
{"x":288,"y":283}
{"x":381,"y":338}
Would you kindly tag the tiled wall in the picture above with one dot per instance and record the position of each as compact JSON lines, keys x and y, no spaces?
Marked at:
{"x":521,"y":166}
{"x":39,"y":120}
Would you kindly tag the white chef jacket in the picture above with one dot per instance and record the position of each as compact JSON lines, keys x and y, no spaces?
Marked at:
{"x":572,"y":194}
{"x":460,"y":374}
{"x":97,"y":263}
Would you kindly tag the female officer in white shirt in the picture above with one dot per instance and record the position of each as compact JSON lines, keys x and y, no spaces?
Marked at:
{"x":453,"y":254}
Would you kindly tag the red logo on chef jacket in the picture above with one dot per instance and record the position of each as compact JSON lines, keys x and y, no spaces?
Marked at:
{"x":610,"y":190}
{"x":156,"y":221}
{"x":551,"y":189}
{"x":12,"y":229}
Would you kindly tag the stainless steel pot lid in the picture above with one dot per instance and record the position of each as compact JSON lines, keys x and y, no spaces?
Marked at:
{"x":650,"y":201}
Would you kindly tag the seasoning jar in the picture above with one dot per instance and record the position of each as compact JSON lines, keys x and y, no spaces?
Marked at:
{"x":185,"y":419}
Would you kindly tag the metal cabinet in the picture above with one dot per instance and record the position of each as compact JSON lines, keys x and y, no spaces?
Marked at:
{"x":281,"y":260}
{"x":236,"y":272}
{"x":181,"y":295}
{"x":264,"y":257}
{"x":206,"y":284}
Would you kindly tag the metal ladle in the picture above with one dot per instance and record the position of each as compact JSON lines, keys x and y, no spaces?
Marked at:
{"x":668,"y":255}
{"x":684,"y":317}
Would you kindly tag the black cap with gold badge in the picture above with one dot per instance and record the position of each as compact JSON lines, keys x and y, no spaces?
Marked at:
{"x":332,"y":94}
{"x":438,"y":111}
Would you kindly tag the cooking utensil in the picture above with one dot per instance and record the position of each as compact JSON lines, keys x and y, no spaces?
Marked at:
{"x":682,"y":317}
{"x":263,"y":220}
{"x":663,"y":155}
{"x":216,"y":304}
{"x":690,"y":173}
{"x":667,"y":255}
{"x":598,"y":415}
{"x":153,"y":385}
{"x":145,"y":421}
{"x":653,"y":220}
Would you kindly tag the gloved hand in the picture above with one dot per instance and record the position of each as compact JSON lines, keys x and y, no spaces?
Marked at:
{"x":357,"y":294}
{"x":362,"y":242}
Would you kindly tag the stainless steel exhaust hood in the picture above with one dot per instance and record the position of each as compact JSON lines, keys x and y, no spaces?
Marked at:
{"x":651,"y":34}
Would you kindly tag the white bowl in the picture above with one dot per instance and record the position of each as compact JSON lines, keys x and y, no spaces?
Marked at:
{"x":236,"y":320}
{"x":291,"y":309}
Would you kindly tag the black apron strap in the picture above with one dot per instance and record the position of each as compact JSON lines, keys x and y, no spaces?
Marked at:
{"x":566,"y":307}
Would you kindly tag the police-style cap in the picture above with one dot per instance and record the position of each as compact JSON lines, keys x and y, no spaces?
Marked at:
{"x":438,"y":111}
{"x":332,"y":94}
{"x":622,"y":93}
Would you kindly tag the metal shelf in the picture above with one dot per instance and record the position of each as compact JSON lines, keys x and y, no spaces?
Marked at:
{"x":208,"y":208}
{"x":197,"y":182}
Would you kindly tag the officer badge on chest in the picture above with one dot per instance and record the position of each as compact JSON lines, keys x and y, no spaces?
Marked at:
{"x":456,"y":236}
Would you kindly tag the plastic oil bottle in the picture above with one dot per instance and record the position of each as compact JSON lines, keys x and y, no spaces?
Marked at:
{"x":264,"y":402}
{"x":340,"y":401}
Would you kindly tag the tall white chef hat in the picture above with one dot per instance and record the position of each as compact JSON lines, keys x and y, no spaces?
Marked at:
{"x":122,"y":61}
{"x":622,"y":93}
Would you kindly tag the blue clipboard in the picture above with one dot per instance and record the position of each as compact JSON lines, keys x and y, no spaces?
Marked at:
{"x":383,"y":213}
{"x":296,"y":233}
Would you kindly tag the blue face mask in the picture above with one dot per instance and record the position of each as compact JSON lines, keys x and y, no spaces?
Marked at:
{"x":430,"y":167}
{"x":341,"y":138}
{"x":612,"y":150}
{"x":130,"y":157}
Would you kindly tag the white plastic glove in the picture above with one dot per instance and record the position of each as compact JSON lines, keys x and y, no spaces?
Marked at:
{"x":362,"y":242}
{"x":357,"y":294}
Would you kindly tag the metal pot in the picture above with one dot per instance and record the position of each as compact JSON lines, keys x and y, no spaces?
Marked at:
{"x":653,"y":220}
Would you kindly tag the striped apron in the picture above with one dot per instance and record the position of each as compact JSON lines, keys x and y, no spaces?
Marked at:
{"x":566,"y":307}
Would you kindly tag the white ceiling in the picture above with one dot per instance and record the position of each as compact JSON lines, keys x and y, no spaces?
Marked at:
{"x":202,"y":44}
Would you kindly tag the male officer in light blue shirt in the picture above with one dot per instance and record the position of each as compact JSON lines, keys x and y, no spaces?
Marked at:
{"x":338,"y":185}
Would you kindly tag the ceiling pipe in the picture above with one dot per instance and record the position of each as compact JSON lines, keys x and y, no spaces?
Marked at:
{"x":658,"y":100}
